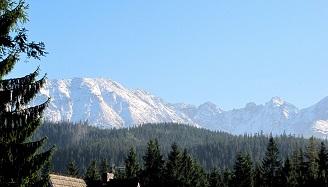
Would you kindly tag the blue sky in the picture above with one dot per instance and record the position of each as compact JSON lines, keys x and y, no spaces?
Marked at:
{"x":228,"y":52}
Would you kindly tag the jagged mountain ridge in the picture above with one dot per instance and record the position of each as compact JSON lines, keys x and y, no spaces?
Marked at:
{"x":107,"y":104}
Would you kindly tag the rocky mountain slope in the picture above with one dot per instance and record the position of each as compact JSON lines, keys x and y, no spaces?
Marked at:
{"x":107,"y":104}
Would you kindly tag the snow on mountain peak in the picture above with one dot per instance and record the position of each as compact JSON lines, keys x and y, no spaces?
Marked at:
{"x":107,"y":104}
{"x":277,"y":101}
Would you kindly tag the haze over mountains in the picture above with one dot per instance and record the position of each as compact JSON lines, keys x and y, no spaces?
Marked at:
{"x":107,"y":104}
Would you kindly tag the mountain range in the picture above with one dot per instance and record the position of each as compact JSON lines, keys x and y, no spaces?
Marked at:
{"x":107,"y":104}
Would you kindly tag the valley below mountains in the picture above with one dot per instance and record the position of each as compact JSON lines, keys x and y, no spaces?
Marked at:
{"x":107,"y":104}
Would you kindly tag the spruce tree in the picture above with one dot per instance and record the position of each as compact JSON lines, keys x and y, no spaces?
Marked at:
{"x":323,"y":166}
{"x":289,"y":174}
{"x":104,"y":166}
{"x":104,"y":169}
{"x":271,"y":165}
{"x":299,"y":167}
{"x":131,"y":165}
{"x":186,"y":169}
{"x":20,"y":158}
{"x":243,"y":171}
{"x":92,"y":177}
{"x":257,"y":176}
{"x":311,"y":163}
{"x":172,"y":173}
{"x":72,"y":169}
{"x":214,"y":179}
{"x":192,"y":175}
{"x":227,"y":175}
{"x":153,"y":165}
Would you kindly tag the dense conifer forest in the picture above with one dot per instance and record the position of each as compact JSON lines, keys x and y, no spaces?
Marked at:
{"x":180,"y":155}
{"x":83,"y":143}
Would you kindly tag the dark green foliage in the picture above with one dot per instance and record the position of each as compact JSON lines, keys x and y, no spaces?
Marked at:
{"x":311,"y":163}
{"x":215,"y":179}
{"x":153,"y":165}
{"x":298,"y":167}
{"x":192,"y":174}
{"x":243,"y":171}
{"x":104,"y":169}
{"x":257,"y":176}
{"x":288,"y":176}
{"x":271,"y":166}
{"x":92,"y":177}
{"x":82,"y":143}
{"x":323,"y":166}
{"x":72,"y":169}
{"x":104,"y":166}
{"x":182,"y":168}
{"x":132,"y":168}
{"x":227,"y":176}
{"x":173,"y":167}
{"x":21,"y":160}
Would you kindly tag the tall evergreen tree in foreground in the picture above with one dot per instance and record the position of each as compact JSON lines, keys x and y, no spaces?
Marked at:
{"x":323,"y":166}
{"x":104,"y":166}
{"x":131,"y":165}
{"x":172,"y":170}
{"x":311,"y":163}
{"x":92,"y":177}
{"x":153,"y":165}
{"x":271,"y":166}
{"x":214,"y":179}
{"x":20,"y":159}
{"x":72,"y":169}
{"x":243,"y":171}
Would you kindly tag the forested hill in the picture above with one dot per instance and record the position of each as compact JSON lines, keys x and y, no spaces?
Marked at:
{"x":83,"y":143}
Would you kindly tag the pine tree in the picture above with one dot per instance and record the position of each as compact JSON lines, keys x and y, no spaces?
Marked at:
{"x":131,"y":165}
{"x":323,"y":166}
{"x":271,"y":165}
{"x":20,"y":158}
{"x":199,"y":179}
{"x":286,"y":170}
{"x":243,"y":171}
{"x":192,"y":175}
{"x":311,"y":163}
{"x":186,"y":169}
{"x":46,"y":169}
{"x":72,"y":169}
{"x":92,"y":177}
{"x":153,"y":165}
{"x":289,"y":174}
{"x":299,"y":167}
{"x":172,"y":169}
{"x":104,"y":169}
{"x":227,"y":175}
{"x":257,"y":176}
{"x":104,"y":166}
{"x":214,"y":179}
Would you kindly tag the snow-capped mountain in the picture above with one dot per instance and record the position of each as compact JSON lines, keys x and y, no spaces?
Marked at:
{"x":273,"y":117}
{"x":313,"y":120}
{"x":107,"y":104}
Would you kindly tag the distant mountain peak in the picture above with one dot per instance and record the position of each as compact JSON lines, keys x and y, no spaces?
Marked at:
{"x":108,"y":104}
{"x":209,"y":106}
{"x":277,"y":101}
{"x":250,"y":105}
{"x":105,"y":103}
